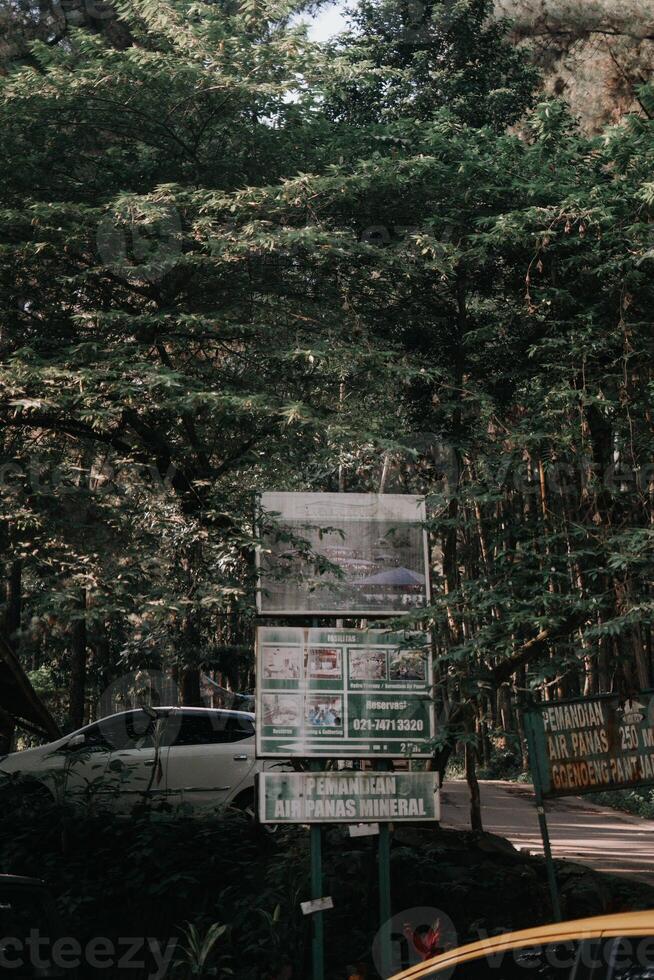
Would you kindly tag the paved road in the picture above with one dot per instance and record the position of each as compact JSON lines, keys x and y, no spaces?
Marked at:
{"x":580,"y":831}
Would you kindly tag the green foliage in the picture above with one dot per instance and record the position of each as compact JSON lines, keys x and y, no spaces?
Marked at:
{"x":409,"y":60}
{"x":639,"y":802}
{"x":263,"y":287}
{"x":152,"y":874}
{"x":198,"y":953}
{"x":230,"y":894}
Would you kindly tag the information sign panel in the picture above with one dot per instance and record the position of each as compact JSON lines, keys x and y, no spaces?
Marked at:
{"x":335,"y":693}
{"x":342,"y":553}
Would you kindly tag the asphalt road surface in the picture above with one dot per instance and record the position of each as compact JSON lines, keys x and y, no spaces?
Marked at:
{"x":580,"y":831}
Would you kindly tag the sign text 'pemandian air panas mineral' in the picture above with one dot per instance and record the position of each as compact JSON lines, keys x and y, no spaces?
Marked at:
{"x":348,"y":797}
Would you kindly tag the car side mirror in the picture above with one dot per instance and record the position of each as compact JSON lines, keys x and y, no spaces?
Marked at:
{"x":76,"y":742}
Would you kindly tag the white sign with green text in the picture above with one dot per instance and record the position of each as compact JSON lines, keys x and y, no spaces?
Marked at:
{"x":354,"y":797}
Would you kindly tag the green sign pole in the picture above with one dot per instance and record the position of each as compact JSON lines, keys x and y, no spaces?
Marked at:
{"x":318,"y":940}
{"x":318,"y":936}
{"x":385,"y":912}
{"x":542,"y":819}
{"x":385,"y":897}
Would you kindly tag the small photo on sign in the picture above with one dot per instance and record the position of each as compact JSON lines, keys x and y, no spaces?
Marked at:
{"x":324,"y":712}
{"x":281,"y":711}
{"x":368,"y":665}
{"x":325,"y":664}
{"x":282,"y":663}
{"x":408,"y":665}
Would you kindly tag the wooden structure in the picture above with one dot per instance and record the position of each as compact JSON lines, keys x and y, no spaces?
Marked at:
{"x":20,"y":705}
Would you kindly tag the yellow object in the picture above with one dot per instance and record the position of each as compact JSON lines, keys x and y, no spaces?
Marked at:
{"x":607,"y":926}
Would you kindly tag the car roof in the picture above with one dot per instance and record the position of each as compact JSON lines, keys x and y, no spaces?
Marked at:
{"x":177,"y":709}
{"x":182,"y":709}
{"x":635,"y":923}
{"x":209,"y":711}
{"x":19,"y":880}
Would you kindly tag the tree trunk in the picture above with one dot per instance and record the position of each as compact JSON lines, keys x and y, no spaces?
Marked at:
{"x":7,"y":729}
{"x":78,"y":664}
{"x":521,"y":682}
{"x":14,"y":597}
{"x":191,"y":696}
{"x":603,"y":667}
{"x":473,"y":786}
{"x":641,"y":659}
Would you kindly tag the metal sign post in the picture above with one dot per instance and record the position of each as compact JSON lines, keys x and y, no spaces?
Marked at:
{"x":582,"y":745}
{"x":385,"y":912}
{"x":358,"y":799}
{"x":542,"y":819}
{"x":318,"y":924}
{"x":385,"y":902}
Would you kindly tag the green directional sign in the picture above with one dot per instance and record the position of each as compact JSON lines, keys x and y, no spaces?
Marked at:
{"x":587,"y":745}
{"x":353,"y":797}
{"x":335,"y":693}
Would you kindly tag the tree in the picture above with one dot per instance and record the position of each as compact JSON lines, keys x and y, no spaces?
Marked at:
{"x":595,"y":55}
{"x":143,"y":357}
{"x":507,"y":275}
{"x":264,"y":290}
{"x":411,"y":59}
{"x":50,"y":21}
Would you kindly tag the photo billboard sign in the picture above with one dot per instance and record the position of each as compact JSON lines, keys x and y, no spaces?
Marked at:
{"x":335,"y":693}
{"x":342,"y":554}
{"x":588,"y":745}
{"x":354,"y":797}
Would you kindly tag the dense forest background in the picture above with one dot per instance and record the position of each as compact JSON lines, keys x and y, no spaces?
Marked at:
{"x":594,"y":54}
{"x":415,"y":259}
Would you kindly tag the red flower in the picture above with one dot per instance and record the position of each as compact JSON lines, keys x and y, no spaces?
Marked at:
{"x":426,"y":945}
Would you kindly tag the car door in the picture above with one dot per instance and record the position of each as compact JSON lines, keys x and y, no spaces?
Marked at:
{"x":209,"y":757}
{"x":628,"y":957}
{"x":133,"y":775}
{"x":85,"y":759}
{"x":557,"y":960}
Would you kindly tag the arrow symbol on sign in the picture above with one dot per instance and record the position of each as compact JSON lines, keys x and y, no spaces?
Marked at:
{"x":332,"y":746}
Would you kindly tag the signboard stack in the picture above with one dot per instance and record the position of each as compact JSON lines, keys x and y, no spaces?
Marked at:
{"x":334,"y":693}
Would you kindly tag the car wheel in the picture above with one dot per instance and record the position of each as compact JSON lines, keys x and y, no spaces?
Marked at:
{"x":30,"y":792}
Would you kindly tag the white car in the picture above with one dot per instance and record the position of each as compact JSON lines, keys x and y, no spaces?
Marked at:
{"x":200,"y":757}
